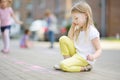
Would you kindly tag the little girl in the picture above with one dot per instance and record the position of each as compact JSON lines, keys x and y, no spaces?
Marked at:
{"x":6,"y":13}
{"x":82,"y":46}
{"x":25,"y":41}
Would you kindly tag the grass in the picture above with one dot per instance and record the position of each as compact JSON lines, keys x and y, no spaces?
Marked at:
{"x":111,"y":39}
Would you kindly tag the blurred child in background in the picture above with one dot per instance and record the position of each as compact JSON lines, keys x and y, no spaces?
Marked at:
{"x":6,"y":13}
{"x":25,"y":41}
{"x":52,"y":26}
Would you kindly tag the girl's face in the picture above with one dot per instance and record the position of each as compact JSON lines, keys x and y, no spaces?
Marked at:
{"x":29,"y":33}
{"x":3,"y":3}
{"x":79,"y":19}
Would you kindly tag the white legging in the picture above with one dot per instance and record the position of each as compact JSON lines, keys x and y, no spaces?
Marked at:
{"x":6,"y":39}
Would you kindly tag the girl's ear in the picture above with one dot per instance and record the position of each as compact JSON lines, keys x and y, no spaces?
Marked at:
{"x":86,"y":15}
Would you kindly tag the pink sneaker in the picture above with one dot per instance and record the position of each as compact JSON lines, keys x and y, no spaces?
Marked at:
{"x":22,"y":46}
{"x":2,"y":50}
{"x":5,"y":51}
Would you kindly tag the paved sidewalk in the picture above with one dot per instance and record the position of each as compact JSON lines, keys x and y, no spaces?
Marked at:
{"x":37,"y":63}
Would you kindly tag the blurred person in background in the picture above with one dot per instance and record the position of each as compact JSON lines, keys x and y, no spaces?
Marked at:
{"x":25,"y":41}
{"x":52,"y":26}
{"x":6,"y":13}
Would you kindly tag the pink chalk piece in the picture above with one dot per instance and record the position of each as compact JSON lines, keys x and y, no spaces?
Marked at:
{"x":35,"y":67}
{"x":27,"y":64}
{"x":5,"y":56}
{"x":40,"y":69}
{"x":30,"y":67}
{"x":26,"y":70}
{"x":13,"y":59}
{"x":20,"y":62}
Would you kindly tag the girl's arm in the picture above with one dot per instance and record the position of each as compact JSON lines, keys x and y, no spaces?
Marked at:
{"x":70,"y":32}
{"x":27,"y":43}
{"x":16,"y":20}
{"x":0,"y":20}
{"x":96,"y":43}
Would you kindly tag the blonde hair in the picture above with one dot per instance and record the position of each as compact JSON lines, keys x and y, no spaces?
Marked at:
{"x":81,"y":7}
{"x":9,"y":2}
{"x":47,"y":12}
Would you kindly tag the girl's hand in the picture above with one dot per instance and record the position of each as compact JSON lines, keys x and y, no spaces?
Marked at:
{"x":16,"y":20}
{"x":19,"y":22}
{"x":90,"y":57}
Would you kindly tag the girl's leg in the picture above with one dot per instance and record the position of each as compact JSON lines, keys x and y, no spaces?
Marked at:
{"x":3,"y":38}
{"x":6,"y":35}
{"x":73,"y":64}
{"x":51,"y":38}
{"x":67,"y":47}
